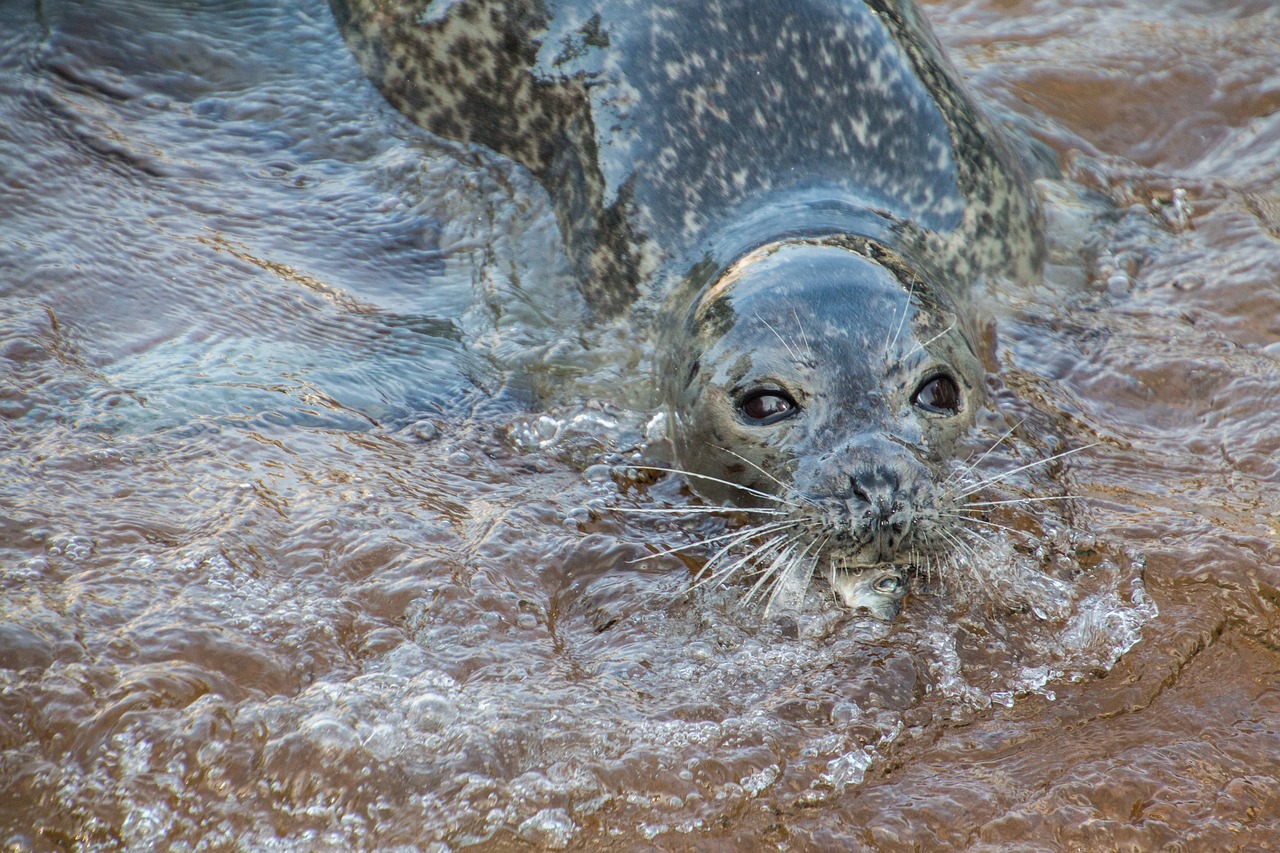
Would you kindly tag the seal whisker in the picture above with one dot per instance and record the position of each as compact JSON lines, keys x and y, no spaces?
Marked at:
{"x":906,"y":309}
{"x":968,"y":468}
{"x":944,"y":563}
{"x":948,"y":570}
{"x":951,"y":573}
{"x":777,"y":548}
{"x":777,"y":568}
{"x":831,"y":571}
{"x":930,"y":573}
{"x":998,"y":477}
{"x":735,"y":534}
{"x":970,"y":519}
{"x":693,"y":510}
{"x":921,"y":345}
{"x":746,"y":536}
{"x":774,"y":565}
{"x":804,"y":337}
{"x":730,"y":483}
{"x":1020,"y":500}
{"x":710,"y":574}
{"x":974,"y":537}
{"x":794,"y":355}
{"x":913,"y":560}
{"x":729,"y":569}
{"x":802,"y":565}
{"x":760,"y":469}
{"x":959,"y":543}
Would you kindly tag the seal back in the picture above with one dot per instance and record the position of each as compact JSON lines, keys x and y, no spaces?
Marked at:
{"x":682,"y":134}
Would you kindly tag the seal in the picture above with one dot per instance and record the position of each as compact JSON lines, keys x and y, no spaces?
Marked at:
{"x":801,"y":200}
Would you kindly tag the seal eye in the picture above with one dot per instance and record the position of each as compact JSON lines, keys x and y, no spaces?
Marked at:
{"x":887,"y":585}
{"x":938,"y":394}
{"x":762,"y":408}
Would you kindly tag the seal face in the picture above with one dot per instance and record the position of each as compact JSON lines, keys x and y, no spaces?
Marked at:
{"x":816,"y":387}
{"x":803,"y":196}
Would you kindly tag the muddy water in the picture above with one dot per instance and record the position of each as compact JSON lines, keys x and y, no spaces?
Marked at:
{"x":291,"y":560}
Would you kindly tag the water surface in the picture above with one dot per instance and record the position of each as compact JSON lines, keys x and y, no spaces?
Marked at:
{"x":292,"y":559}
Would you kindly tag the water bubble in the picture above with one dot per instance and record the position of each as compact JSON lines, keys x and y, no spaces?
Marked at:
{"x":384,"y":741}
{"x":431,"y":712}
{"x":844,"y":713}
{"x":407,"y":660}
{"x":546,"y":428}
{"x":848,"y":769}
{"x":425,"y":430}
{"x":700,"y":650}
{"x":598,"y":474}
{"x":74,"y":547}
{"x":144,"y":828}
{"x":576,"y":519}
{"x":534,"y":435}
{"x":760,"y":780}
{"x":332,"y":736}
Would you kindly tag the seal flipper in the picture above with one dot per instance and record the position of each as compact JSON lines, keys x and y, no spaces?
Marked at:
{"x":467,"y":73}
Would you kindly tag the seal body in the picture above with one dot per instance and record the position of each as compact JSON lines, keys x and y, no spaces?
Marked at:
{"x":806,"y":192}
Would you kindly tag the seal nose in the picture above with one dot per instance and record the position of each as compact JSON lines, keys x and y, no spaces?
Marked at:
{"x":879,"y":514}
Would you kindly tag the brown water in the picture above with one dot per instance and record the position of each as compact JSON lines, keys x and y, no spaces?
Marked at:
{"x":289,"y":562}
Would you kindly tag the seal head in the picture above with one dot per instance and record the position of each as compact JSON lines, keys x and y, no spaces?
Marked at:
{"x":820,"y":386}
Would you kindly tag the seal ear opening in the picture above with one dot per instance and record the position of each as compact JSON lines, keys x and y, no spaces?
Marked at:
{"x":693,"y":372}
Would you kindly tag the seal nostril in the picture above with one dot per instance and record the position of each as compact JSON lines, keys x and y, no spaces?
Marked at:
{"x":856,"y":489}
{"x":879,"y":510}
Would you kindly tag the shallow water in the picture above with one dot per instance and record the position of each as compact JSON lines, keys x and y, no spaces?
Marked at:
{"x":291,"y":561}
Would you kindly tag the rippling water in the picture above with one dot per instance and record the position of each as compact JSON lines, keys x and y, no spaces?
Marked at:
{"x":291,"y":559}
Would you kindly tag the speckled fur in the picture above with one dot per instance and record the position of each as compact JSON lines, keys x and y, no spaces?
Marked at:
{"x":675,"y":135}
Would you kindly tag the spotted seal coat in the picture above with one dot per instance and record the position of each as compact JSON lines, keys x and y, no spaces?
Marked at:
{"x":809,"y":193}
